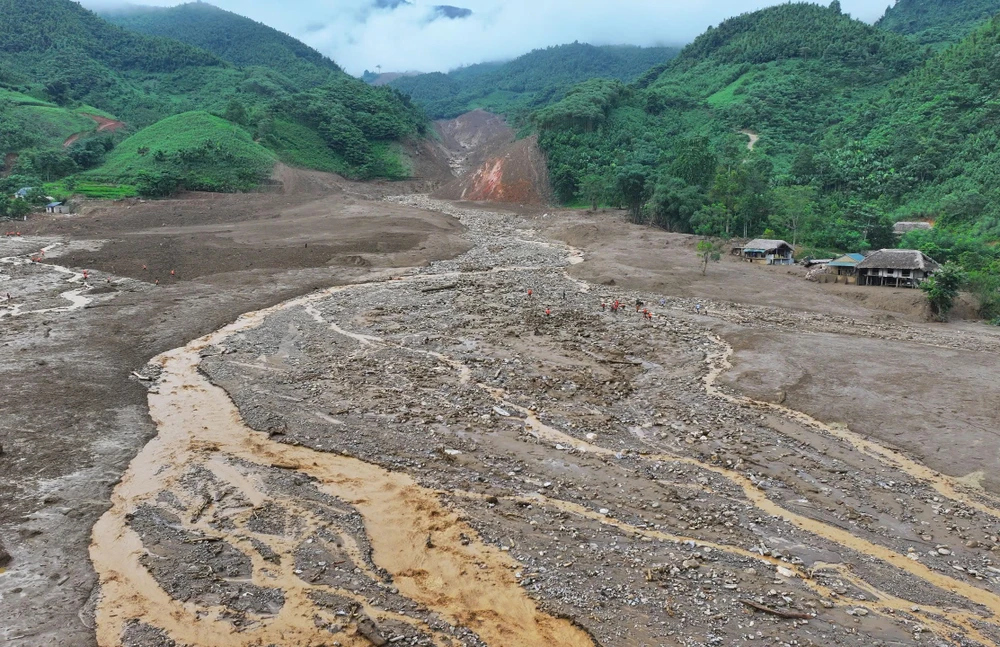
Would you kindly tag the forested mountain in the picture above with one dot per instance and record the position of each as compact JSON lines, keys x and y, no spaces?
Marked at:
{"x":786,"y":73}
{"x":929,"y":146}
{"x":60,"y":63}
{"x":527,"y":82}
{"x":858,"y":127}
{"x":938,"y":22}
{"x":231,"y":37}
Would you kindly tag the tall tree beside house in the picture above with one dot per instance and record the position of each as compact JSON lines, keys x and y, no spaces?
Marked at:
{"x":709,"y":251}
{"x":794,"y":206}
{"x":942,"y":289}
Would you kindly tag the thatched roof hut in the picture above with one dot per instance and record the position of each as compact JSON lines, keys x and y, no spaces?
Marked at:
{"x":766,"y":250}
{"x":896,"y":268}
{"x":899,"y":259}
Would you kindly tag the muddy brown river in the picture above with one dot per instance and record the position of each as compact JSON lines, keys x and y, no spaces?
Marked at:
{"x":464,"y":581}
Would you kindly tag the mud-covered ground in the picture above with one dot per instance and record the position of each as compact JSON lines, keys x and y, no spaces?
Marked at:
{"x":443,"y":458}
{"x":432,"y":456}
{"x":72,"y":414}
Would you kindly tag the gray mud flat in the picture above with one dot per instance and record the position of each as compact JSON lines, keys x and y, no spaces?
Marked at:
{"x":444,"y":459}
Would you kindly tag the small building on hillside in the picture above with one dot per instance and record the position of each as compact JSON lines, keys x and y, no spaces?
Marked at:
{"x":901,"y":228}
{"x":897,"y":268}
{"x":23,"y":192}
{"x":57,"y":207}
{"x":766,"y":251}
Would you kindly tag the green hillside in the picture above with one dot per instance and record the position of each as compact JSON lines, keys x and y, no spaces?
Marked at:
{"x":938,"y":22}
{"x":238,"y":40}
{"x":787,"y":73}
{"x":927,"y":149}
{"x":859,"y":128}
{"x":527,"y":82}
{"x":194,"y":151}
{"x":59,"y":61}
{"x":30,"y":123}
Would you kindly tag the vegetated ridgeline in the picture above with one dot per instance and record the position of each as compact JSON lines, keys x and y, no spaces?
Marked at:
{"x":299,"y":534}
{"x":516,"y":87}
{"x":286,"y":97}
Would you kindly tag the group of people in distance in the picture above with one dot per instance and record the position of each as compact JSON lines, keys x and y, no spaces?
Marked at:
{"x":615,"y":306}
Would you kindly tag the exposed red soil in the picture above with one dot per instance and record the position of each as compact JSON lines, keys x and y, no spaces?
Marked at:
{"x":472,"y":138}
{"x":518,"y":174}
{"x":103,"y":125}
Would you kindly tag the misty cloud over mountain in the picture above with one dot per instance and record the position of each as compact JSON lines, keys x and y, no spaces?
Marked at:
{"x":426,"y":36}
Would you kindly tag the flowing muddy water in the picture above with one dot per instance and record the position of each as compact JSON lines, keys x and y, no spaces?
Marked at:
{"x":942,"y":621}
{"x":429,"y":554}
{"x":963,"y":490}
{"x":429,"y":575}
{"x":75,"y":296}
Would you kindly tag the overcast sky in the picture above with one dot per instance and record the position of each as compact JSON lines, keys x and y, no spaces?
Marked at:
{"x":360,"y":37}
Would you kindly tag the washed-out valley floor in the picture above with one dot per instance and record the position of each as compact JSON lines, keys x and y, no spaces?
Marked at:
{"x":405,"y":448}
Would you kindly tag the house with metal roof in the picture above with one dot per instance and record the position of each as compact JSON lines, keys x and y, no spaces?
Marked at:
{"x":898,"y":268}
{"x":56,"y":207}
{"x":766,"y":251}
{"x":846,"y":265}
{"x":843,"y":269}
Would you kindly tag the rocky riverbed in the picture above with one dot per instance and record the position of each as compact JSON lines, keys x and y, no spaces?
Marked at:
{"x":482,"y":452}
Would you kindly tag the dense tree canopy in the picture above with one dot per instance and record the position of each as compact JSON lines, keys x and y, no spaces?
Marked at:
{"x":527,"y":82}
{"x":62,"y":67}
{"x":858,"y":128}
{"x":938,"y":22}
{"x":231,"y":37}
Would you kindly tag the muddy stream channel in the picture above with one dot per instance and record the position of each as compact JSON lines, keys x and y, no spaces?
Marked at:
{"x":221,"y":535}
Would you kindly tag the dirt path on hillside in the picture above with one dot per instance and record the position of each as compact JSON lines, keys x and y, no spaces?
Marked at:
{"x":754,"y":138}
{"x":441,"y":459}
{"x":103,"y":125}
